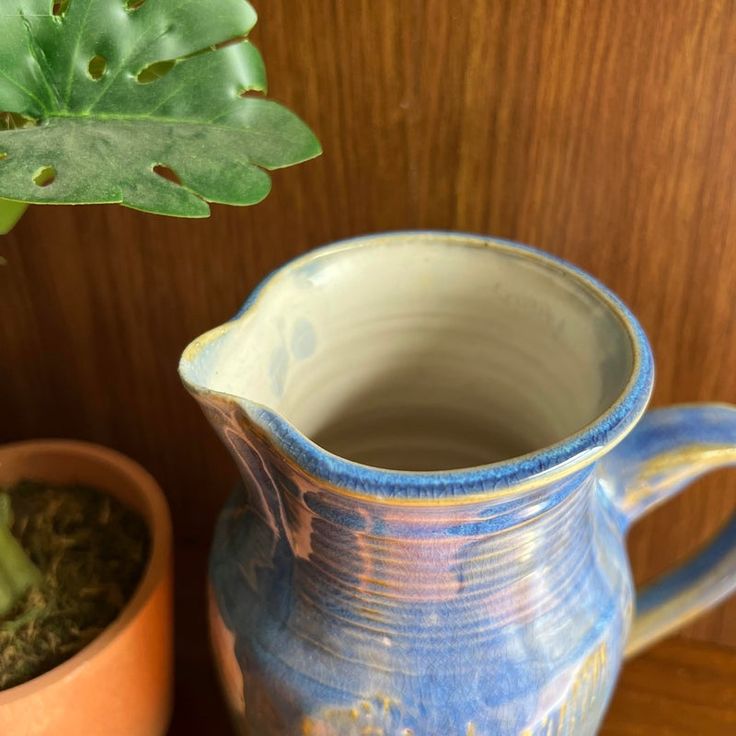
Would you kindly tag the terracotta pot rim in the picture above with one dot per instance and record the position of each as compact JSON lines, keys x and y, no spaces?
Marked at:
{"x":156,"y":568}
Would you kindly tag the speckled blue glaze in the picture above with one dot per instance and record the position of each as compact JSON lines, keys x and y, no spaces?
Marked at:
{"x":349,"y":600}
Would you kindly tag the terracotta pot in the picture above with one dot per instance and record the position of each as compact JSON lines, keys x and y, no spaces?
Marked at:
{"x":120,"y":684}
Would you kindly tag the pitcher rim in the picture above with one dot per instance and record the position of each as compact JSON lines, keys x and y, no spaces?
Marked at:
{"x":500,"y":478}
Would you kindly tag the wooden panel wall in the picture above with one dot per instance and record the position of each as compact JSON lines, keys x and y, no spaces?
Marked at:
{"x":601,"y":130}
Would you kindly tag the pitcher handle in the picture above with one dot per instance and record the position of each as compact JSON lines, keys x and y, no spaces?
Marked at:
{"x":669,"y":449}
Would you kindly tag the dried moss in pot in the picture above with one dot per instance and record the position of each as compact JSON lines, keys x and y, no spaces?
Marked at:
{"x":75,"y":557}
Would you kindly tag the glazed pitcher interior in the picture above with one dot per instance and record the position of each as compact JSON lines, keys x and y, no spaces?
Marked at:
{"x":419,"y":358}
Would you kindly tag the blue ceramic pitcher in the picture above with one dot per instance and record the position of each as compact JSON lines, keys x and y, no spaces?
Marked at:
{"x":442,"y":443}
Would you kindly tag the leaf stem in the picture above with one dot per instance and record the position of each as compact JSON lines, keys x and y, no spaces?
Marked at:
{"x":10,"y":213}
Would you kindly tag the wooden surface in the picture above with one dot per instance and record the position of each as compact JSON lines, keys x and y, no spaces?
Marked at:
{"x":678,"y":688}
{"x":602,"y":130}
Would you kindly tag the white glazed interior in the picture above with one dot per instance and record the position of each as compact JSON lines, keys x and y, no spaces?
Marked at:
{"x":419,"y":355}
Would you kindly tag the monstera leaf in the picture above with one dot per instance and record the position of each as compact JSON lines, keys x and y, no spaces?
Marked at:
{"x":152,"y":104}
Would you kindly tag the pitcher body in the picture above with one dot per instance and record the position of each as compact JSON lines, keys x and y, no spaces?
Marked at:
{"x":434,"y":435}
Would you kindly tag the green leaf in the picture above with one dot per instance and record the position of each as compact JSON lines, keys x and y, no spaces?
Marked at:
{"x":10,"y":213}
{"x":124,"y":93}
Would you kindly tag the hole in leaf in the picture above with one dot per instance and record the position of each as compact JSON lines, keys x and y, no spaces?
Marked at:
{"x":60,"y":7}
{"x":97,"y":67}
{"x":166,"y":173}
{"x":44,"y":176}
{"x":155,"y":71}
{"x":133,"y":4}
{"x":14,"y":120}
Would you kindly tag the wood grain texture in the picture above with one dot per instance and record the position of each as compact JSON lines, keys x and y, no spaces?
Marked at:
{"x":604,"y":132}
{"x":678,"y":688}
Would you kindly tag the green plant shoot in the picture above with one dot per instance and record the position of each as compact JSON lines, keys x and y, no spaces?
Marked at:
{"x":17,"y":572}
